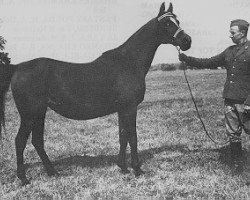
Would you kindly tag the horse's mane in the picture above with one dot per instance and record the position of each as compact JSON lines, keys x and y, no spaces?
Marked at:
{"x":120,"y":51}
{"x":116,"y":52}
{"x":111,"y":52}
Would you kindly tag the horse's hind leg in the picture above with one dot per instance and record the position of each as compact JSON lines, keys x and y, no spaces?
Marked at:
{"x":32,"y":119}
{"x":20,"y":141}
{"x":38,"y":143}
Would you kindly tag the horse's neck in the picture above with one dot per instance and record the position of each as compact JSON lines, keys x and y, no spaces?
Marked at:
{"x":142,"y":46}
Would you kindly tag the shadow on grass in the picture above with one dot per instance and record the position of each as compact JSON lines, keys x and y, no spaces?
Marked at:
{"x":170,"y":102}
{"x":204,"y":155}
{"x":65,"y":165}
{"x":109,"y":160}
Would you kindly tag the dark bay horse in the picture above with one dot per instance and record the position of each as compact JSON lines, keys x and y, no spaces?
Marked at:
{"x":114,"y":82}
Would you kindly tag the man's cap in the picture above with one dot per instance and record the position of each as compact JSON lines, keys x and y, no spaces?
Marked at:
{"x":239,"y":22}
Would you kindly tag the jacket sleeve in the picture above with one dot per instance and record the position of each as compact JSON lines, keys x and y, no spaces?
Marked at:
{"x":210,"y":63}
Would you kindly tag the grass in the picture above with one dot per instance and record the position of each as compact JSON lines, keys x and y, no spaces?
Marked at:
{"x":179,"y":159}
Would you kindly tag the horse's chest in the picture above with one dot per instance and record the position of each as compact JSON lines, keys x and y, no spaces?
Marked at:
{"x":132,"y":93}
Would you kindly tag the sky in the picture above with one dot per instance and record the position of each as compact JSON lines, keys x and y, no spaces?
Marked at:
{"x":81,"y":30}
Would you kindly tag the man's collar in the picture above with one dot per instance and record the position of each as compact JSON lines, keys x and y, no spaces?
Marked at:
{"x":243,"y":41}
{"x":242,"y":48}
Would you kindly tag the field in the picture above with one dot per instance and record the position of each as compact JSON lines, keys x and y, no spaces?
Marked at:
{"x":179,"y":159}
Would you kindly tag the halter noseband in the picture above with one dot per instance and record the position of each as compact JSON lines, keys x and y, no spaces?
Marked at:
{"x":170,"y":15}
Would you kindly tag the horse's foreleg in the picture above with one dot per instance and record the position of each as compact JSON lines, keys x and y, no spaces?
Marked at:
{"x":136,"y":164}
{"x":20,"y":142}
{"x":128,"y":125}
{"x":38,"y":143}
{"x":123,"y":139}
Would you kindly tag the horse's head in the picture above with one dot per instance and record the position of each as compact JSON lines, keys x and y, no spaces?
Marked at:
{"x":170,"y":31}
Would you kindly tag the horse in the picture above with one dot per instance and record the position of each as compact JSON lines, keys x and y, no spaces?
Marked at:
{"x":112,"y":83}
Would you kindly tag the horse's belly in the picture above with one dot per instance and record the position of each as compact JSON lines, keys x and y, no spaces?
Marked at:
{"x":82,"y":112}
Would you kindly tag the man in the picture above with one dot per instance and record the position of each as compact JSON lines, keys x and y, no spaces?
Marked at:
{"x":236,"y":60}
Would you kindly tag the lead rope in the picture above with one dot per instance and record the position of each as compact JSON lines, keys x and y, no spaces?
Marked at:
{"x":195,"y":105}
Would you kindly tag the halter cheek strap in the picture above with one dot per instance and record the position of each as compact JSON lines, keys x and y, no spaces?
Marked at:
{"x":177,"y":32}
{"x":170,"y":15}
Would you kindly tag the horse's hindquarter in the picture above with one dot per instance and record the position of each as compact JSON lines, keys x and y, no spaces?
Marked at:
{"x":29,"y":86}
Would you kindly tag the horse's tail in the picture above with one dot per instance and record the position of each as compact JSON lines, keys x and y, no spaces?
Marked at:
{"x":6,"y":72}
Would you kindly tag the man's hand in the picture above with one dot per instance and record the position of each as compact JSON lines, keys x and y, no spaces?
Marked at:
{"x":247,"y":109}
{"x":182,"y":57}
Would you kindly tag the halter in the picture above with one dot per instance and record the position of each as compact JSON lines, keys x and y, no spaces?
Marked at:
{"x":171,"y":17}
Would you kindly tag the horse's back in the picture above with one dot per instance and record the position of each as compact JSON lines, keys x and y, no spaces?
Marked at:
{"x":77,"y":91}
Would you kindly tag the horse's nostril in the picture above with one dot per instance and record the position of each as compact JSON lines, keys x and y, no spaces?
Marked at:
{"x":187,"y":40}
{"x":186,"y":43}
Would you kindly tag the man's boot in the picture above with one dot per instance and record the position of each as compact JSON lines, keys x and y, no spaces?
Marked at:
{"x":237,"y":158}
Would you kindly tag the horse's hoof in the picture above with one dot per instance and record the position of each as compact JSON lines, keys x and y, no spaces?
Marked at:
{"x":22,"y":178}
{"x":122,"y":165}
{"x":125,"y":171}
{"x":53,"y":173}
{"x":25,"y":182}
{"x":138,"y":172}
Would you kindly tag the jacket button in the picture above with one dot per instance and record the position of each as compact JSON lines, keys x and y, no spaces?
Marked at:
{"x":231,"y":81}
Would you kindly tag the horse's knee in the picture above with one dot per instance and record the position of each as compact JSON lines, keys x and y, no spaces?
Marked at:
{"x":22,"y":137}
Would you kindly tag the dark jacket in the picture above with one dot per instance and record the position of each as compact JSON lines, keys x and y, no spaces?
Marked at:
{"x":236,"y":60}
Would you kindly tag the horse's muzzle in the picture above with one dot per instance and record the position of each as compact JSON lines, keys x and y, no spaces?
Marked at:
{"x":185,"y":43}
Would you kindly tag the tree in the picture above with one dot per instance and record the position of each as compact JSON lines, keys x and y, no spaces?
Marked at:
{"x":4,"y":59}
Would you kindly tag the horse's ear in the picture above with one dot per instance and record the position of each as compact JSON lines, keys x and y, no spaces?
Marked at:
{"x":170,"y":8}
{"x":162,"y":9}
